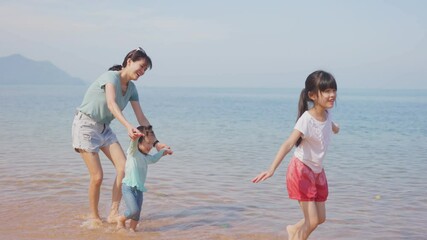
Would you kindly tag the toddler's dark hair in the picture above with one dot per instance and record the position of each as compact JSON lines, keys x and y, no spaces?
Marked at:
{"x":146,"y":130}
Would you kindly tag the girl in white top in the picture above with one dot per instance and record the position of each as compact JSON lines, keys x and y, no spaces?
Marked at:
{"x":305,"y":177}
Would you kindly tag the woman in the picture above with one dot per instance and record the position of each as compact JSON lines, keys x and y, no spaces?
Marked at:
{"x":104,"y":100}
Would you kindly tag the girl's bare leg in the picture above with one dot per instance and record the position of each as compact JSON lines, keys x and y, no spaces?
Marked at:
{"x":292,"y":229}
{"x":115,"y":153}
{"x":96,"y":174}
{"x":314,"y":215}
{"x":321,"y":211}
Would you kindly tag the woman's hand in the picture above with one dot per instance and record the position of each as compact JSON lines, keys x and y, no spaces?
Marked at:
{"x":167,"y":151}
{"x":262,"y":176}
{"x":134,"y":133}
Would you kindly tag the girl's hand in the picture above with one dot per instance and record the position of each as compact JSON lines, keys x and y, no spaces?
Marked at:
{"x":134,"y":133}
{"x":335,"y":127}
{"x":262,"y":176}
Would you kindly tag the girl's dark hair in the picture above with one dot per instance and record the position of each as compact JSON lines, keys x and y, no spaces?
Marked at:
{"x":316,"y":82}
{"x":134,"y":55}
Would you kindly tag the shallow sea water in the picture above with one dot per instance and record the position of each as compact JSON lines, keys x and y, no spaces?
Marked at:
{"x":222,"y":138}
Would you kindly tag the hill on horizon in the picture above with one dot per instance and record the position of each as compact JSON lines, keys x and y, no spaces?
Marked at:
{"x":19,"y":70}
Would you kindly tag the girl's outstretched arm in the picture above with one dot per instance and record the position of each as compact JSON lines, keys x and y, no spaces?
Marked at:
{"x":284,"y":149}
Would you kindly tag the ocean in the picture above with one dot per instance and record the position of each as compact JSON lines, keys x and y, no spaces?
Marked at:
{"x":221,"y":137}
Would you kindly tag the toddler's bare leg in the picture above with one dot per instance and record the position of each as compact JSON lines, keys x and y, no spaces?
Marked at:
{"x":133,"y":225}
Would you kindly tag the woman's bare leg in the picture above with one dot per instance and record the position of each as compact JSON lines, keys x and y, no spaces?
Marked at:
{"x":115,"y":153}
{"x":96,"y":175}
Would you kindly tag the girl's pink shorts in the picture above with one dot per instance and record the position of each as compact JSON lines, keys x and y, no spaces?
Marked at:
{"x":305,"y":185}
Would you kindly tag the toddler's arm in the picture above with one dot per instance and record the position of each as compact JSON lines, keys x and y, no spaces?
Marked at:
{"x":156,"y":157}
{"x":132,"y":147}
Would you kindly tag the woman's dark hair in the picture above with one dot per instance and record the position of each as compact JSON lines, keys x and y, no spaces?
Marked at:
{"x":316,"y":82}
{"x":134,"y":55}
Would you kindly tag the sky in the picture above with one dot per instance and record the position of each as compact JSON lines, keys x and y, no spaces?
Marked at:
{"x":227,"y":43}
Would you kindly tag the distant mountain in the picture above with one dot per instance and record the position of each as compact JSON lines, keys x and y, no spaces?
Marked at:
{"x":19,"y":70}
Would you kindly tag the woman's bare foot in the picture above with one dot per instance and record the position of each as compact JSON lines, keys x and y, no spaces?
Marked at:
{"x":291,"y":232}
{"x":114,"y":213}
{"x":112,"y":218}
{"x":121,"y":222}
{"x":92,"y":223}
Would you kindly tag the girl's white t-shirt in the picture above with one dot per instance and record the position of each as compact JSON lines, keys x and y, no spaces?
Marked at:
{"x":316,"y":136}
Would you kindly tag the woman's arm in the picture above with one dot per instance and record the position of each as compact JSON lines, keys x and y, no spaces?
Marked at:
{"x":284,"y":149}
{"x":140,"y":117}
{"x":110,"y":94}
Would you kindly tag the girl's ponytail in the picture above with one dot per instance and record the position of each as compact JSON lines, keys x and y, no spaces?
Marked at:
{"x":115,"y":68}
{"x":302,"y":107}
